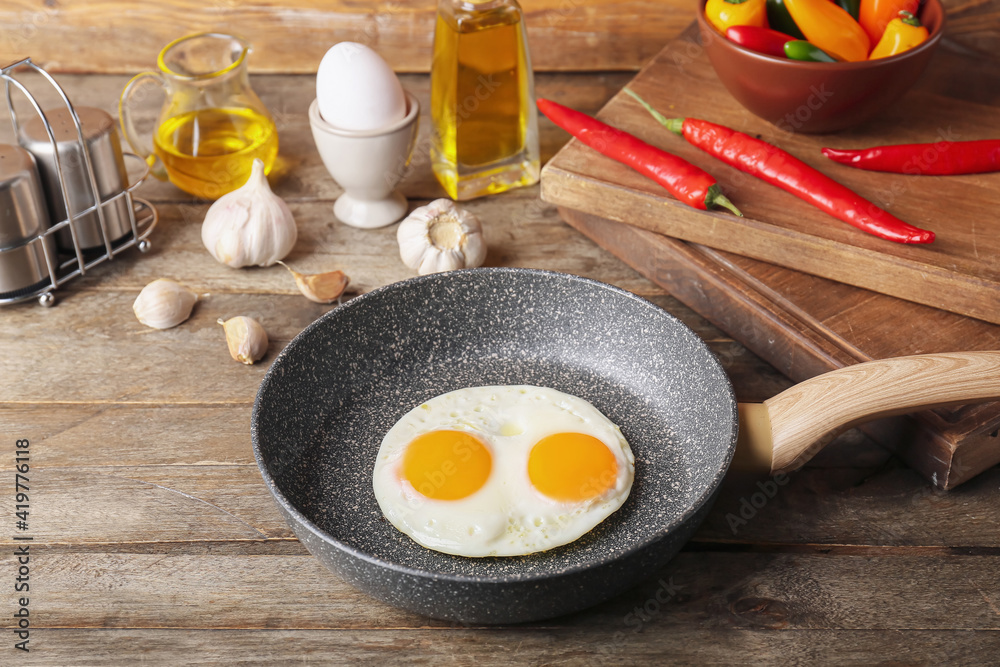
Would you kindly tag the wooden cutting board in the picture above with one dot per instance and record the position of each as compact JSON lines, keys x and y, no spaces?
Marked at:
{"x":805,"y":325}
{"x":957,"y":98}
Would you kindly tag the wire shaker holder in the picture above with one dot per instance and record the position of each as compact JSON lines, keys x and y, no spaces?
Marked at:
{"x":68,"y":263}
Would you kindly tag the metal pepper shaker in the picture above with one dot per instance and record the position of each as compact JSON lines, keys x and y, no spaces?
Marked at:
{"x":25,"y":254}
{"x":102,"y":143}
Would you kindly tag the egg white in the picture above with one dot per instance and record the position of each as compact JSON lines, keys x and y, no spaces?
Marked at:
{"x":507,"y":516}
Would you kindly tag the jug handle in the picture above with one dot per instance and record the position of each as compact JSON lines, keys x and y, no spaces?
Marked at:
{"x":142,"y":147}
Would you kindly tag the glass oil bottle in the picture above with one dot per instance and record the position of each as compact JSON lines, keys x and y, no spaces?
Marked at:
{"x":485,"y":125}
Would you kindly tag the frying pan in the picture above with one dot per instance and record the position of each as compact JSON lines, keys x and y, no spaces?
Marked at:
{"x":334,"y":391}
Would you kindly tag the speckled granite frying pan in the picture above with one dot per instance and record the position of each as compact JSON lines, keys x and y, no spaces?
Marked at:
{"x":336,"y":389}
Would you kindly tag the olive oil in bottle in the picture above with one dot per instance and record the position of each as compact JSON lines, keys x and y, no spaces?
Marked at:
{"x":485,"y":126}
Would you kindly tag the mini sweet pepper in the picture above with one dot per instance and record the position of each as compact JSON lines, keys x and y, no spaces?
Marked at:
{"x":830,"y":28}
{"x":902,"y":34}
{"x":874,"y":15}
{"x":798,"y":49}
{"x":761,"y":40}
{"x":724,"y":13}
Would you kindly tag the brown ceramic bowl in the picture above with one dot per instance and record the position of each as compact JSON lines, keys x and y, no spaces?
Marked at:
{"x":817,"y":97}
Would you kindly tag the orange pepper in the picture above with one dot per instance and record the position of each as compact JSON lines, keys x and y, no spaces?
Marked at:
{"x":874,"y":15}
{"x":724,"y":13}
{"x":902,"y":34}
{"x":830,"y":28}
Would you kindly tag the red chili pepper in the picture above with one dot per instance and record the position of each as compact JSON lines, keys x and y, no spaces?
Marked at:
{"x":944,"y":158}
{"x":777,"y":167}
{"x":761,"y":40}
{"x":686,"y":182}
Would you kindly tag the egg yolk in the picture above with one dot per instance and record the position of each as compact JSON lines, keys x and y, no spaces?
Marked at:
{"x":446,"y":465}
{"x":571,"y":467}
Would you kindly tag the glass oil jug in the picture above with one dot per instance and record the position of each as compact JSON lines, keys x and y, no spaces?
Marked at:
{"x":212,"y":125}
{"x":485,"y":125}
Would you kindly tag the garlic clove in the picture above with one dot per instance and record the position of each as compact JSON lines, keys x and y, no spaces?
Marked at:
{"x":251,"y":225}
{"x":246,"y":338}
{"x":163,"y":304}
{"x":441,"y":237}
{"x":320,"y":287}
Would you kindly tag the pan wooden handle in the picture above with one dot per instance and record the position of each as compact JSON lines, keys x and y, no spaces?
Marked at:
{"x":804,"y":418}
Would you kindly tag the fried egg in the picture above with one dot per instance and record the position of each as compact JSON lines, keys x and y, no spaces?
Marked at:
{"x":501,"y":471}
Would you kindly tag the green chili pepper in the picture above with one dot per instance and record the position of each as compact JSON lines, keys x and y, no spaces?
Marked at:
{"x":852,"y":7}
{"x":779,"y":19}
{"x":798,"y":49}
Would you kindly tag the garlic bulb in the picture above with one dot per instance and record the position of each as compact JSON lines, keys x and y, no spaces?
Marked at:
{"x":320,"y":287}
{"x":250,"y":225}
{"x":246,"y":339}
{"x":441,"y":237}
{"x":163,"y":304}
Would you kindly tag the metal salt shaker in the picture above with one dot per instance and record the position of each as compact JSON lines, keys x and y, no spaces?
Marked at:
{"x":25,"y":255}
{"x":109,"y":171}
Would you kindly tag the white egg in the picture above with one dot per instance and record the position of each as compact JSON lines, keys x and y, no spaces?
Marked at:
{"x":356,"y":90}
{"x":501,"y":471}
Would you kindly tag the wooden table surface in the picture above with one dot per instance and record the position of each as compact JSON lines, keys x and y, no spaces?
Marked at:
{"x":155,"y":540}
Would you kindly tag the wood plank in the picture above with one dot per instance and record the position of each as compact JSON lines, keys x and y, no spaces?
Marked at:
{"x":885,"y":506}
{"x":959,"y":272}
{"x":98,"y":332}
{"x":165,"y":503}
{"x":718,"y":591}
{"x":189,"y":364}
{"x":120,"y":36}
{"x":514,"y":646}
{"x":879,"y":504}
{"x":94,"y":323}
{"x":517,"y":231}
{"x":806,"y":325}
{"x":73,"y":435}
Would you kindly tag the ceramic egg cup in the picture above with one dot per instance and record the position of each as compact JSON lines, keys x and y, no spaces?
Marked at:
{"x":368,"y":166}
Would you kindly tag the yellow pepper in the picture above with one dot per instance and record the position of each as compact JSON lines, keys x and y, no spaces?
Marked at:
{"x":902,"y":34}
{"x":830,"y":28}
{"x":874,"y":15}
{"x":724,"y":13}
